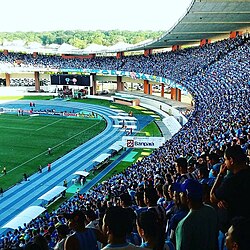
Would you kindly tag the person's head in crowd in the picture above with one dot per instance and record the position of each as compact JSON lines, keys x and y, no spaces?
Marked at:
{"x":125,"y":200}
{"x":32,"y":246}
{"x":206,"y":188}
{"x":168,"y":179}
{"x":139,"y":199}
{"x":234,"y":141}
{"x":149,"y":230}
{"x":150,"y":196}
{"x":83,"y":237}
{"x":116,"y":224}
{"x":171,"y":191}
{"x":191,"y":193}
{"x":62,"y":231}
{"x":203,"y":173}
{"x":176,"y":197}
{"x":181,"y":165}
{"x":41,"y":242}
{"x":241,"y":141}
{"x":213,"y":158}
{"x":159,"y":190}
{"x":235,"y":158}
{"x":215,"y":170}
{"x":238,"y":235}
{"x":201,"y":161}
{"x":165,"y":191}
{"x":191,"y":168}
{"x":76,"y":220}
{"x":90,"y":215}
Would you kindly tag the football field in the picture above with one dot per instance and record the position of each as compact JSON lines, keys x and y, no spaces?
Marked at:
{"x":24,"y":142}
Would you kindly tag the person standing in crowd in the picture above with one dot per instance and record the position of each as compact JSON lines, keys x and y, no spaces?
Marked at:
{"x":238,"y":235}
{"x":150,"y":199}
{"x":199,"y":229}
{"x":182,"y":169}
{"x":92,"y":220}
{"x":150,"y":231}
{"x":139,"y":199}
{"x":62,"y":231}
{"x":83,"y":238}
{"x":233,"y":192}
{"x":126,"y":203}
{"x":116,"y":225}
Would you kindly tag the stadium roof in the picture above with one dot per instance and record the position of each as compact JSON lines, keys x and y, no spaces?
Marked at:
{"x":26,"y":216}
{"x":204,"y":19}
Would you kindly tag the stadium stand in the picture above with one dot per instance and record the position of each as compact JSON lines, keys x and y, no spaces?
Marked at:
{"x":217,"y":76}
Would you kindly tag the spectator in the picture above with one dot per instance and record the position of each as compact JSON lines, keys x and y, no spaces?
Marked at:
{"x":199,"y":229}
{"x":91,"y":219}
{"x":234,"y":192}
{"x":116,"y":225}
{"x":238,"y":235}
{"x":151,"y":198}
{"x":181,"y":168}
{"x":82,"y":238}
{"x":139,"y":199}
{"x":150,"y":231}
{"x":179,"y":212}
{"x":217,"y":76}
{"x":126,"y":203}
{"x":62,"y":231}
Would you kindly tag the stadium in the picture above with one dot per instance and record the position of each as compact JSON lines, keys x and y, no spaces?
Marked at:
{"x":76,"y":157}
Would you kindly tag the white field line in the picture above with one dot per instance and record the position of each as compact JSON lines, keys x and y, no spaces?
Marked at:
{"x":28,"y":118}
{"x":48,"y":125}
{"x":52,"y":148}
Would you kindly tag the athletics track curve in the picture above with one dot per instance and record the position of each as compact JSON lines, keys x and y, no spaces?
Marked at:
{"x":23,"y":195}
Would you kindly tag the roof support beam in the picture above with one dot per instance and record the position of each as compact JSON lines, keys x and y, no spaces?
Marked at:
{"x":220,"y":12}
{"x":200,"y":22}
{"x":199,"y":32}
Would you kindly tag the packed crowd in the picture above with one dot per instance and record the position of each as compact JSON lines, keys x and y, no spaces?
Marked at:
{"x":191,"y":193}
{"x":173,"y":65}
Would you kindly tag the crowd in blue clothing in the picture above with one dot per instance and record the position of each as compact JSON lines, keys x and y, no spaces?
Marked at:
{"x":188,"y":173}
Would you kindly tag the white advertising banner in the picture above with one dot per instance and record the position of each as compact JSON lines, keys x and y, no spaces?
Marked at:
{"x":142,"y":142}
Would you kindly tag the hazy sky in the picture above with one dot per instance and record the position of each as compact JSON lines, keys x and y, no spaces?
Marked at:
{"x":47,"y":15}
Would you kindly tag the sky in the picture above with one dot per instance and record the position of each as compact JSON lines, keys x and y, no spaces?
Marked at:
{"x":51,"y":15}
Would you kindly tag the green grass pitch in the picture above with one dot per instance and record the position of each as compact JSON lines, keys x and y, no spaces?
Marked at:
{"x":24,"y":142}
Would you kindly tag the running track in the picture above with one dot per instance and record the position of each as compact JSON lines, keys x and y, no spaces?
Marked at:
{"x":25,"y":194}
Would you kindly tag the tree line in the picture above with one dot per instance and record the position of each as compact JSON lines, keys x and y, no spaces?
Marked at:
{"x":81,"y":39}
